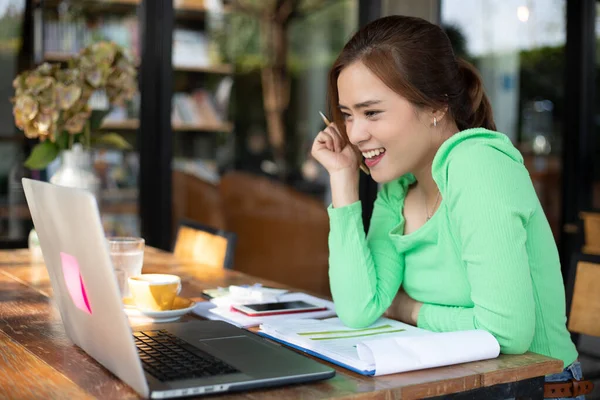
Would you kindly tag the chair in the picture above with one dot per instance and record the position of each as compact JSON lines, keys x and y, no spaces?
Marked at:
{"x":205,"y":245}
{"x":591,"y":229}
{"x":583,"y":300}
{"x":197,"y":200}
{"x":282,"y":233}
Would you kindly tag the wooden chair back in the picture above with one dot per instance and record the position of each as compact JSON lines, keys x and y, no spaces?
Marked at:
{"x":205,"y":245}
{"x":195,"y":199}
{"x":591,"y":230}
{"x":282,"y":233}
{"x":584,"y":315}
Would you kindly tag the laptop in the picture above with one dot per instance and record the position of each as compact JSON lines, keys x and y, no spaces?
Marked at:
{"x":158,"y":361}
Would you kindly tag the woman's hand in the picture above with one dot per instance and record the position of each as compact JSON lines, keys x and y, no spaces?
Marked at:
{"x":341,"y":161}
{"x":404,"y":308}
{"x":333,"y":153}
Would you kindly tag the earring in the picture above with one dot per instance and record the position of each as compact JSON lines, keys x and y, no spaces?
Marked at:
{"x":434,"y":122}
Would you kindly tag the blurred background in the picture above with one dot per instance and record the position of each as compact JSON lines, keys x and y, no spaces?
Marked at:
{"x":228,"y":105}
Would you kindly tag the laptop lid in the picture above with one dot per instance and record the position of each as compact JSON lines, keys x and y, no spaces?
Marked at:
{"x":85,"y":288}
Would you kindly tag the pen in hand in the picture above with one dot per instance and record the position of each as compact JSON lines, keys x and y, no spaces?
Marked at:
{"x":361,"y":163}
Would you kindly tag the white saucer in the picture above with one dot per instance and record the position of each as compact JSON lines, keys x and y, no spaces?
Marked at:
{"x":160,"y":316}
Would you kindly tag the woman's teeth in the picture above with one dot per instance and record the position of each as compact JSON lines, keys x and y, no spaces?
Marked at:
{"x":373,"y":153}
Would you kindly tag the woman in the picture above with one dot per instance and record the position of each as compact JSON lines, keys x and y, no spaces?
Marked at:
{"x":457,"y":224}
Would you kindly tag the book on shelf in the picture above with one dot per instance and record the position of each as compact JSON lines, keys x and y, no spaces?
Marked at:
{"x":196,"y":108}
{"x":386,"y":347}
{"x":68,"y":37}
{"x":190,"y":48}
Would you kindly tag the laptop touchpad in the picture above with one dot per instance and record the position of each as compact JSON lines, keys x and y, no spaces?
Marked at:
{"x":252,"y":356}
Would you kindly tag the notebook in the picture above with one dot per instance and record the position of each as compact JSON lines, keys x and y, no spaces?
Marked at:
{"x":386,"y":347}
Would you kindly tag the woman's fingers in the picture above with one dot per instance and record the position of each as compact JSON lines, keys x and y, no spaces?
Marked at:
{"x":336,"y":137}
{"x":326,"y":139}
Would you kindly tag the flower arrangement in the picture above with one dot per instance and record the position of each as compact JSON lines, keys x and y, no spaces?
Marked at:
{"x":53,"y":103}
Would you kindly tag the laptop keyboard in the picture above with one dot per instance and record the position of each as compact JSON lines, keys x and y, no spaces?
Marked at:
{"x":169,"y":358}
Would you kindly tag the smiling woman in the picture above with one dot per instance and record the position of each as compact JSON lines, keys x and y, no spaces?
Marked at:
{"x":458,"y":239}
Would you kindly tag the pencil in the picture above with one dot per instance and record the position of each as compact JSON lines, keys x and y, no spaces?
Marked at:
{"x":361,"y":163}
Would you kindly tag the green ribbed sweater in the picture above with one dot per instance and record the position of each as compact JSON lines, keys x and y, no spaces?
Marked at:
{"x":486,"y":260}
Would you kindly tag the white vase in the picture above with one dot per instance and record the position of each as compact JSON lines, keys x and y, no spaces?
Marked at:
{"x":76,"y":170}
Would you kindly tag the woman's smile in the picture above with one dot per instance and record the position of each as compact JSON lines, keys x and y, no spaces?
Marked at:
{"x":372,"y":157}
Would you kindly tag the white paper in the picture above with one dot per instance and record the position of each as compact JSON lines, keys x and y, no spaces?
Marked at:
{"x":248,"y":295}
{"x":211,"y":311}
{"x":406,"y":353}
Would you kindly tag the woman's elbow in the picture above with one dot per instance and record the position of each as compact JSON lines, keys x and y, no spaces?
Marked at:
{"x":355,"y":319}
{"x":517,"y":340}
{"x":514,"y":346}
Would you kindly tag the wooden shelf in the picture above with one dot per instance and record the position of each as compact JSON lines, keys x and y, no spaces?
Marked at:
{"x":53,"y":56}
{"x":128,"y":124}
{"x":226,"y":127}
{"x":123,"y":208}
{"x":60,"y":57}
{"x":189,"y":5}
{"x":132,"y":124}
{"x":210,"y":69}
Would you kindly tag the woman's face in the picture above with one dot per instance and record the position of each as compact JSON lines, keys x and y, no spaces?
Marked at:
{"x":394,"y":136}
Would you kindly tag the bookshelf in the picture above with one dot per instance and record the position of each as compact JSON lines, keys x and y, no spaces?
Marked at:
{"x":133,"y":123}
{"x":199,"y":74}
{"x":198,"y":106}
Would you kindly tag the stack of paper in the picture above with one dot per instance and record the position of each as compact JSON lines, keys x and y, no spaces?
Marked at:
{"x":385,"y":347}
{"x":210,"y":310}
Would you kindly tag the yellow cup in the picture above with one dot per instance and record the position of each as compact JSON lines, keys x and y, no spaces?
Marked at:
{"x":154,"y":292}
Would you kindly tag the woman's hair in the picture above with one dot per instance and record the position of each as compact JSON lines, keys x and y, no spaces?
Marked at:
{"x":415,"y":59}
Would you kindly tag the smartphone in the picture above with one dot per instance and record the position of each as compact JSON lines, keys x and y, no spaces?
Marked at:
{"x":284,"y":307}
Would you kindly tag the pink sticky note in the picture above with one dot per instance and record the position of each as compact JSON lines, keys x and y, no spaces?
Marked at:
{"x":74,"y":282}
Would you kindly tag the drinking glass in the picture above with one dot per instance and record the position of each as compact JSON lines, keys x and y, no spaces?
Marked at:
{"x":127,"y":255}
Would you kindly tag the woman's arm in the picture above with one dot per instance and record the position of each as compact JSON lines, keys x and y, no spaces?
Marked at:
{"x":365,"y":272}
{"x":490,"y":200}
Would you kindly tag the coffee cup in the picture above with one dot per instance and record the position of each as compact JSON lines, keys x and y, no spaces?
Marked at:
{"x":154,"y":292}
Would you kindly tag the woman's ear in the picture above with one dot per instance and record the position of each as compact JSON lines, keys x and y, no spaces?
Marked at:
{"x":439,"y":114}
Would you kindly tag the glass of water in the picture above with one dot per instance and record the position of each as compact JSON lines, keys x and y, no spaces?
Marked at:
{"x":127,"y":255}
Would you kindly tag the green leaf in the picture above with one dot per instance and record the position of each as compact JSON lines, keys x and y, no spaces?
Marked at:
{"x":42,"y":154}
{"x":62,"y":140}
{"x":96,"y":119}
{"x":114,"y":140}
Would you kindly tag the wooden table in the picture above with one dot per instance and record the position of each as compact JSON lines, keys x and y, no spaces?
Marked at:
{"x":37,"y":360}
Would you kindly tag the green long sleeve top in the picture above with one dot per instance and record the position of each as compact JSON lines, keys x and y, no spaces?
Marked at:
{"x":486,"y":259}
